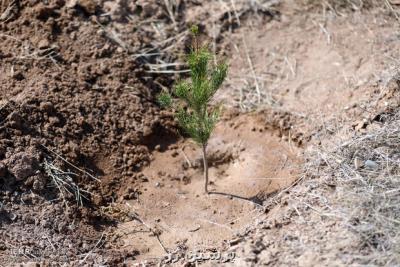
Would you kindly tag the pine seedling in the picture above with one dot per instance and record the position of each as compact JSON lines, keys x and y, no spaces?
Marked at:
{"x":193,"y":113}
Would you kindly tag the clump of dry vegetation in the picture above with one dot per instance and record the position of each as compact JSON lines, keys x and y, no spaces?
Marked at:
{"x":344,"y":210}
{"x":368,"y":170}
{"x":337,"y":5}
{"x":365,"y":172}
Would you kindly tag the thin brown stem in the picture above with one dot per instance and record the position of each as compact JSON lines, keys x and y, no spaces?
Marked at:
{"x":205,"y":164}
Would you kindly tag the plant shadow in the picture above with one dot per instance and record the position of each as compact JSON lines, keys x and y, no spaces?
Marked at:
{"x":256,"y":199}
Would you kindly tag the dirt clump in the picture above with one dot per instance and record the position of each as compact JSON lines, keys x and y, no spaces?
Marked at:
{"x":72,"y":103}
{"x":22,"y":165}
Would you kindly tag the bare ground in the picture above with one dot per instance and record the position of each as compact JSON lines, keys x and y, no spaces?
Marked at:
{"x":311,"y":97}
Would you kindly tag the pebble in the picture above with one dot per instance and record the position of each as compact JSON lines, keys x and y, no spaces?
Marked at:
{"x":13,"y":217}
{"x":370,"y":164}
{"x":46,"y":106}
{"x":361,"y":125}
{"x":43,"y":44}
{"x":358,"y":163}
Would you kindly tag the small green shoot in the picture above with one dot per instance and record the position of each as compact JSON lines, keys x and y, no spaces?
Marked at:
{"x":193,"y":113}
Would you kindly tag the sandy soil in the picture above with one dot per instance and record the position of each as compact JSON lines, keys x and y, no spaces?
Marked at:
{"x":240,"y":165}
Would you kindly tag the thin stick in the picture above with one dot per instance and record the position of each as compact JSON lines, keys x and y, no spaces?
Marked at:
{"x":186,"y":158}
{"x":325,"y":31}
{"x":392,"y":9}
{"x":48,"y":239}
{"x":161,"y":244}
{"x":249,"y":61}
{"x":155,"y":233}
{"x":90,"y":252}
{"x":217,"y":224}
{"x":167,"y":71}
{"x":235,"y":12}
{"x":290,"y":66}
{"x":253,"y":72}
{"x":170,"y":13}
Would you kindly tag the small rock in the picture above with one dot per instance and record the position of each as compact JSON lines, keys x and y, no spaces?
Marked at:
{"x":28,"y":219}
{"x":358,"y":163}
{"x":39,"y":183}
{"x":13,"y":217}
{"x":46,"y":106}
{"x":130,"y":163}
{"x":54,"y":121}
{"x":22,"y":165}
{"x":98,"y":200}
{"x":370,"y":164}
{"x":101,"y":32}
{"x":89,"y":6}
{"x":361,"y":125}
{"x":157,"y":147}
{"x":43,"y":44}
{"x":147,"y":131}
{"x":142,"y":178}
{"x":104,"y":19}
{"x":15,"y":120}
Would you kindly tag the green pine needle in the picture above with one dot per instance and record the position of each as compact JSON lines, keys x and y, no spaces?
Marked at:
{"x":197,"y":120}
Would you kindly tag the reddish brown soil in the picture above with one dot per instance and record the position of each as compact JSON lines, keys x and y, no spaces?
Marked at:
{"x":78,"y":81}
{"x":74,"y":94}
{"x":68,"y":90}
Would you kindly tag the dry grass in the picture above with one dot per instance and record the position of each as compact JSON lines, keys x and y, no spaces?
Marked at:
{"x":339,"y":7}
{"x":342,"y":4}
{"x":367,"y":196}
{"x":345,"y":210}
{"x":65,"y":183}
